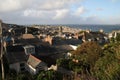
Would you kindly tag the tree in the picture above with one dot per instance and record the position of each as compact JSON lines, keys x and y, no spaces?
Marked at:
{"x":48,"y":75}
{"x":118,"y":37}
{"x":107,"y":67}
{"x":88,"y":53}
{"x":117,"y":50}
{"x":65,"y":63}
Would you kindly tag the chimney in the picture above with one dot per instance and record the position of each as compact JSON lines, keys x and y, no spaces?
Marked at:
{"x":60,"y":30}
{"x":49,"y":39}
{"x":76,"y":36}
{"x":26,"y":30}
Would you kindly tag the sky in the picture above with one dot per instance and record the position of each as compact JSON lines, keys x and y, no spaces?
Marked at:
{"x":60,"y":11}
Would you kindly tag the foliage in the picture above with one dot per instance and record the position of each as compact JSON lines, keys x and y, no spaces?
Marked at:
{"x":83,"y":59}
{"x":113,"y":48}
{"x":112,"y":40}
{"x":107,"y":67}
{"x":90,"y":61}
{"x":69,"y":64}
{"x":64,"y":63}
{"x":48,"y":75}
{"x":12,"y":75}
{"x":88,"y":53}
{"x":117,"y":50}
{"x":118,"y":37}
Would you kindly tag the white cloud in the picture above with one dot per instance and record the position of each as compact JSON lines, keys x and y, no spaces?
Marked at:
{"x":57,"y":4}
{"x":61,"y":14}
{"x":9,"y":5}
{"x":46,"y":11}
{"x":48,"y":5}
{"x":32,"y":13}
{"x":12,"y":5}
{"x":80,"y":10}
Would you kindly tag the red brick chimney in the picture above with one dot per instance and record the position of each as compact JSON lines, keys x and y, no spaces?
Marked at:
{"x":49,"y":39}
{"x":76,"y":35}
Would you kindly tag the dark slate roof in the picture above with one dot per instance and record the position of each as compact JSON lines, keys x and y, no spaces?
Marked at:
{"x":47,"y":59}
{"x":93,"y":35}
{"x":28,"y":41}
{"x":60,"y":41}
{"x":17,"y":48}
{"x":45,"y":49}
{"x":14,"y":57}
{"x":64,"y":48}
{"x":73,"y":41}
{"x":15,"y":54}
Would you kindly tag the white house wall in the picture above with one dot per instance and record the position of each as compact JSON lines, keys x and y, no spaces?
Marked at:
{"x":30,"y":69}
{"x":15,"y":66}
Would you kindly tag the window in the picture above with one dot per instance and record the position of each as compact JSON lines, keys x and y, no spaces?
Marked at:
{"x":30,"y":50}
{"x":22,"y":69}
{"x":22,"y":66}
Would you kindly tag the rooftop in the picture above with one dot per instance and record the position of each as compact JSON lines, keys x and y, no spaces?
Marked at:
{"x":33,"y":61}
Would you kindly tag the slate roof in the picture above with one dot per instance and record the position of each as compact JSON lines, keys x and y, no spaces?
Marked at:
{"x":64,"y":48}
{"x":15,"y":54}
{"x":93,"y":35}
{"x":60,"y":41}
{"x":17,"y":48}
{"x":28,"y":41}
{"x":14,"y":57}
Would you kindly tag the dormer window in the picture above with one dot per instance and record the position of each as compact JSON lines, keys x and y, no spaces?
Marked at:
{"x":29,"y":49}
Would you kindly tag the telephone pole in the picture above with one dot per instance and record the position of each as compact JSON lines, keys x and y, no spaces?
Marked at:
{"x":1,"y":55}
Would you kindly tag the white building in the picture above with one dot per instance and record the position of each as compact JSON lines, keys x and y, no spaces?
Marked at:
{"x":21,"y":59}
{"x":34,"y":65}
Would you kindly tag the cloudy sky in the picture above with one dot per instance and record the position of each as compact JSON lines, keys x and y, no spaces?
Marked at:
{"x":60,"y":11}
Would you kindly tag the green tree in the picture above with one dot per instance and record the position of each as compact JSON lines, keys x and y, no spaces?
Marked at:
{"x":88,"y":53}
{"x":49,"y":75}
{"x":117,"y":50}
{"x":118,"y":37}
{"x":107,"y":67}
{"x":65,"y":63}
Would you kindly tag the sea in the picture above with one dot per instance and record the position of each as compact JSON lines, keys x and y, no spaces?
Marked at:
{"x":106,"y":28}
